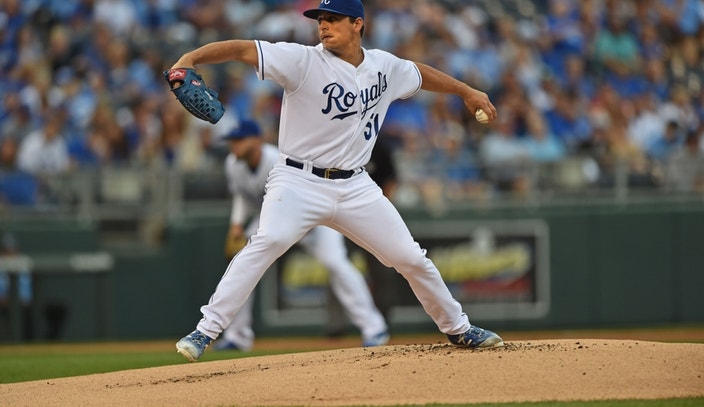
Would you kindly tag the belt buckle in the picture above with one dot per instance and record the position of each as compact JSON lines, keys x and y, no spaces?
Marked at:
{"x":329,"y":171}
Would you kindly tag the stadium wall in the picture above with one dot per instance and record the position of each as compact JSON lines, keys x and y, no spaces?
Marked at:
{"x":606,"y":266}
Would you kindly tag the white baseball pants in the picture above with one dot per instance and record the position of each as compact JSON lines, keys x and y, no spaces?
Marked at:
{"x":295,"y":202}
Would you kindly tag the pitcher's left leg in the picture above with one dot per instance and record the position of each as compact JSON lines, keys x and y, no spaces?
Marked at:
{"x":373,"y":222}
{"x":370,"y":220}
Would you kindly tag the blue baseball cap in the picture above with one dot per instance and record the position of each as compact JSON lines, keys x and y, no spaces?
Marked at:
{"x":351,"y":8}
{"x":246,"y":128}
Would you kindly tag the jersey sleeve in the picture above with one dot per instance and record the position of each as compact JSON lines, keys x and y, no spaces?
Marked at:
{"x":283,"y":62}
{"x":229,"y":168}
{"x":240,"y":210}
{"x":412,"y":82}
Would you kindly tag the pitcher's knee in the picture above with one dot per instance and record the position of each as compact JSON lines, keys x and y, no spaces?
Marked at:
{"x":273,"y":242}
{"x":412,"y":264}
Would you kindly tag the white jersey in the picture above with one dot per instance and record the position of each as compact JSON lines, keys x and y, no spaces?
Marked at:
{"x":247,"y":186}
{"x":332,"y":111}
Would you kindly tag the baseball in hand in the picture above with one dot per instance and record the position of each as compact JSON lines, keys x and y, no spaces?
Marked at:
{"x":481,"y":116}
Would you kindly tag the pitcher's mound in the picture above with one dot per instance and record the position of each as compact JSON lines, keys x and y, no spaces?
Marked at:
{"x":571,"y":369}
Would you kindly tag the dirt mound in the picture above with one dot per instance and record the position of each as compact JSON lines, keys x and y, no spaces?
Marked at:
{"x":584,"y":369}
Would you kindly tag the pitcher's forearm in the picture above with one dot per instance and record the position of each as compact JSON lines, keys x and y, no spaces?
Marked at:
{"x":440,"y":82}
{"x":219,"y":52}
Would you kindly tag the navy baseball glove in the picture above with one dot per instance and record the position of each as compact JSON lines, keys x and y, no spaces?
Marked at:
{"x":192,"y":92}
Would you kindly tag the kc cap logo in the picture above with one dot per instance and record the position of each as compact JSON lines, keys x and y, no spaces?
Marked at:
{"x":351,"y":8}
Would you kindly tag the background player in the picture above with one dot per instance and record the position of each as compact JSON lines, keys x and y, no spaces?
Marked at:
{"x":247,"y":167}
{"x":336,"y":96}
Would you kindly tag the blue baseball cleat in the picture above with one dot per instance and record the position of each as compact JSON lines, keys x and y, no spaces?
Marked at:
{"x":193,"y":345}
{"x":476,"y":338}
{"x":224,"y":344}
{"x":379,"y":339}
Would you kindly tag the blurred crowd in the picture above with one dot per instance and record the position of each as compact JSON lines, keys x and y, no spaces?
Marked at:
{"x":583,"y":88}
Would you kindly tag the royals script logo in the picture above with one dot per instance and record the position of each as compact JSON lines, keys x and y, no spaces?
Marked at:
{"x":341,"y":103}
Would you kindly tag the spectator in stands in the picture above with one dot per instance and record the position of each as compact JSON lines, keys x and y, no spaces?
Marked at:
{"x":685,"y":165}
{"x":239,"y":15}
{"x":646,"y":126}
{"x":142,"y":124}
{"x":680,"y":17}
{"x":44,"y":151}
{"x":17,"y":118}
{"x":394,"y":24}
{"x":417,"y":186}
{"x":672,"y":138}
{"x":657,"y":82}
{"x":616,"y":52}
{"x":284,"y":22}
{"x":105,"y":141}
{"x":650,"y":43}
{"x":12,"y":19}
{"x":406,"y":118}
{"x":503,"y":155}
{"x":77,"y":98}
{"x":685,"y":64}
{"x":623,"y":154}
{"x":17,"y":187}
{"x":568,"y":120}
{"x":561,"y":35}
{"x":119,"y":15}
{"x":459,"y":171}
{"x":680,"y":108}
{"x":576,"y":81}
{"x":542,"y":145}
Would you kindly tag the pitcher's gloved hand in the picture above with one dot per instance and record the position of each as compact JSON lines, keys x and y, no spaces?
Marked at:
{"x":192,"y":92}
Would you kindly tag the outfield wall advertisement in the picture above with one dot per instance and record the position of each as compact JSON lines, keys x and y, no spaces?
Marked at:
{"x":498,"y":270}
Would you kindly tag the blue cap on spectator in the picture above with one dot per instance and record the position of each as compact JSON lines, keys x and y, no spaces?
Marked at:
{"x":247,"y":128}
{"x":351,"y":8}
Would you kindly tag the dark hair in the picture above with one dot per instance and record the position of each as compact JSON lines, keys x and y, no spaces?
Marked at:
{"x":361,"y":32}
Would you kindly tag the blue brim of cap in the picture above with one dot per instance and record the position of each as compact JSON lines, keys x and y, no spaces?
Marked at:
{"x":239,"y":136}
{"x":313,"y":13}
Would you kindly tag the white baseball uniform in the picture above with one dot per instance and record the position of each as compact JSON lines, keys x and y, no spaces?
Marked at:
{"x":330,"y":118}
{"x":325,"y":244}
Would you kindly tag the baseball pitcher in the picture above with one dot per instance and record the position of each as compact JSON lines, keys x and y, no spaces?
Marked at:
{"x":336,"y":95}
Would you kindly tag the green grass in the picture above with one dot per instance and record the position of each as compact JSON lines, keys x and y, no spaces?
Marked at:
{"x":45,"y":366}
{"x":28,"y":362}
{"x":688,"y":402}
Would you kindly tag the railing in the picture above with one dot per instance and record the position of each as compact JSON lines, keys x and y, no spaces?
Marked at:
{"x":132,"y":193}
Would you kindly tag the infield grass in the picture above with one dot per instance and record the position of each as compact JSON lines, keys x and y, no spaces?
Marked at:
{"x":689,"y":402}
{"x":35,"y":362}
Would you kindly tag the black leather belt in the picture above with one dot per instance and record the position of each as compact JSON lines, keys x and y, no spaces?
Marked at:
{"x":329,"y":173}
